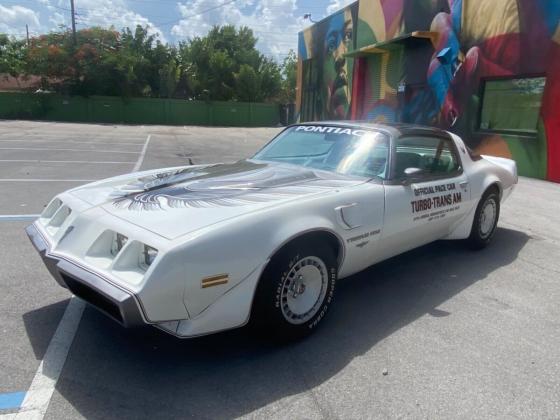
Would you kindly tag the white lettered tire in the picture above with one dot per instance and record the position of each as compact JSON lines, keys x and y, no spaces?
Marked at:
{"x":485,"y":219}
{"x":295,"y":290}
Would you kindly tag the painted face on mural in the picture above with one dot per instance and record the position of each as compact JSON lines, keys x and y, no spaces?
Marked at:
{"x":454,"y":82}
{"x":338,"y":41}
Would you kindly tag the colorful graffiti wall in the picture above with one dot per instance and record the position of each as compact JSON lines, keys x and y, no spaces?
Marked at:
{"x":326,"y":81}
{"x":488,"y":70}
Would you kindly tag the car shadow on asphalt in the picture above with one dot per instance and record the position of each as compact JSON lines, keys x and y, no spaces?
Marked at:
{"x":41,"y":325}
{"x":112,"y":372}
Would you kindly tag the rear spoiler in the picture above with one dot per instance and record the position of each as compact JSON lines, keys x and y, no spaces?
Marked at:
{"x":508,"y":164}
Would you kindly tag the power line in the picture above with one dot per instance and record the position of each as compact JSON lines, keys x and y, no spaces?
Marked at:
{"x":196,"y":14}
{"x":16,"y":27}
{"x":59,"y":8}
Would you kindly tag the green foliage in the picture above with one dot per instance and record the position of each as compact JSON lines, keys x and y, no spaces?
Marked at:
{"x":289,"y":81}
{"x":169,"y":74}
{"x":246,"y":84}
{"x":223,"y":65}
{"x":12,"y":56}
{"x":270,"y":79}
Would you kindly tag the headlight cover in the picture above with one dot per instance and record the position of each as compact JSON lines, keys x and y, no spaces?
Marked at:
{"x":51,"y":209}
{"x":57,"y":219}
{"x":125,"y":257}
{"x":119,"y":241}
{"x":148,"y":256}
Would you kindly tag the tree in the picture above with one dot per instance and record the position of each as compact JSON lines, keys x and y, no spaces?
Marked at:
{"x":170,"y":74}
{"x":289,"y":78}
{"x":223,"y":65}
{"x":270,"y":80}
{"x":49,"y":57}
{"x":247,"y":84}
{"x":226,"y":65}
{"x":12,"y":56}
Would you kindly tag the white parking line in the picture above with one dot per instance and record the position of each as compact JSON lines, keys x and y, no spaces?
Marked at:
{"x":45,"y":180}
{"x":18,"y":217}
{"x":39,"y":395}
{"x":40,"y":392}
{"x":97,"y":162}
{"x":69,"y":141}
{"x":142,"y":155}
{"x":68,"y":150}
{"x":117,"y":143}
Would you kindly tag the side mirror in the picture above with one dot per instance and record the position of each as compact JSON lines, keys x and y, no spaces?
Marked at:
{"x":411,"y":174}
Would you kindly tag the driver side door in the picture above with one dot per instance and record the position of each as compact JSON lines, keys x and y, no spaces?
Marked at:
{"x":423,"y":207}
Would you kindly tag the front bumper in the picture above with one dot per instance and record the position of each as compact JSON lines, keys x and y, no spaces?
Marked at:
{"x":114,"y":302}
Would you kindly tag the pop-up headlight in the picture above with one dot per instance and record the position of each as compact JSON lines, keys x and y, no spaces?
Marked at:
{"x":50,"y":210}
{"x":119,"y":241}
{"x":148,"y":256}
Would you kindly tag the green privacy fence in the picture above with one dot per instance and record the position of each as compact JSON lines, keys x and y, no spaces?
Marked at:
{"x":107,"y":109}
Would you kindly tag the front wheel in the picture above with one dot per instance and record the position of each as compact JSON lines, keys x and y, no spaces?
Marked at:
{"x":485,"y":220}
{"x":295,"y":290}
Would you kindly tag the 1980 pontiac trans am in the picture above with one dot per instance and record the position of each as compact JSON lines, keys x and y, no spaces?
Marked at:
{"x":199,"y":249}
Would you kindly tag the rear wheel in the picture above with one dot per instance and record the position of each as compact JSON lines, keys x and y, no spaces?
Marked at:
{"x":296,"y":290}
{"x":485,"y":220}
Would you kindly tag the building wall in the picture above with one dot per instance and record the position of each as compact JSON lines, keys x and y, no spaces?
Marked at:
{"x":326,"y":88}
{"x":478,"y":42}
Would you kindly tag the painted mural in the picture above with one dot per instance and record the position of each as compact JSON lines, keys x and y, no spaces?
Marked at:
{"x":329,"y":78}
{"x":481,"y":68}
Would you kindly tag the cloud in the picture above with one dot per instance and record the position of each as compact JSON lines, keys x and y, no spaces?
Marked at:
{"x":106,"y":13}
{"x":58,"y":19}
{"x":275,"y":22}
{"x":13,"y":19}
{"x":336,"y":5}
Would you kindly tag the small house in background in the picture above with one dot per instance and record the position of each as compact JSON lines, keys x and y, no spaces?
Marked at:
{"x":25,"y":83}
{"x":17,"y":84}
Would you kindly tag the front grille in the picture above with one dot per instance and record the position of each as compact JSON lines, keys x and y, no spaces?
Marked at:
{"x":93,"y":297}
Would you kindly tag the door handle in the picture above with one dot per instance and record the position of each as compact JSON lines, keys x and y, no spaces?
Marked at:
{"x":464,"y":184}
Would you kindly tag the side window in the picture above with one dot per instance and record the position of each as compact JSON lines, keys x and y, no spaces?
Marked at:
{"x":434,"y":156}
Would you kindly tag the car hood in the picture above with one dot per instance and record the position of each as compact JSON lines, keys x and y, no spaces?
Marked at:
{"x":178,"y":201}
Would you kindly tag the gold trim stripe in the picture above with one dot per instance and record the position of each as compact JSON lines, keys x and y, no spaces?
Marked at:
{"x":214,"y":280}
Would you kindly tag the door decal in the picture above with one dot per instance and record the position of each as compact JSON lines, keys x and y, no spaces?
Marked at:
{"x":435,"y":202}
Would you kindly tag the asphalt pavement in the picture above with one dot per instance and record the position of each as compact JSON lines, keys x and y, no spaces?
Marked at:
{"x":440,"y":332}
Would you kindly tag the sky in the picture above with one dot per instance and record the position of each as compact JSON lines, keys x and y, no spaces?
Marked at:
{"x":275,"y":22}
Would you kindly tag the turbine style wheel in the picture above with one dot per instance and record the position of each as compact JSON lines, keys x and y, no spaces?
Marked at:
{"x":295,"y":290}
{"x":485,"y":220}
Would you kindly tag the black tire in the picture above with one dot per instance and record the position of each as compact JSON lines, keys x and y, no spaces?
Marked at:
{"x":482,"y":232}
{"x":272,"y":314}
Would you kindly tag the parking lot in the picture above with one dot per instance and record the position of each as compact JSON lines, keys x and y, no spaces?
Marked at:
{"x":440,"y":332}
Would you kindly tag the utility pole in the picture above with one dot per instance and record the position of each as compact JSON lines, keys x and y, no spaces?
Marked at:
{"x":27,"y":33}
{"x":73,"y":22}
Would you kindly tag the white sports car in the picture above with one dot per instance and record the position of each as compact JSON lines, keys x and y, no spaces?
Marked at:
{"x":199,"y":249}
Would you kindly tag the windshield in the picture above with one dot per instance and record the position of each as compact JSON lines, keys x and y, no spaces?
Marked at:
{"x":347,"y":151}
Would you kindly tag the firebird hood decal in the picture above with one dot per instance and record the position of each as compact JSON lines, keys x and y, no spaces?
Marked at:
{"x":178,"y":201}
{"x":225,"y":185}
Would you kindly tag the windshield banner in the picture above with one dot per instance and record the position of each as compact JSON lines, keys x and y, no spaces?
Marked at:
{"x":332,"y":130}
